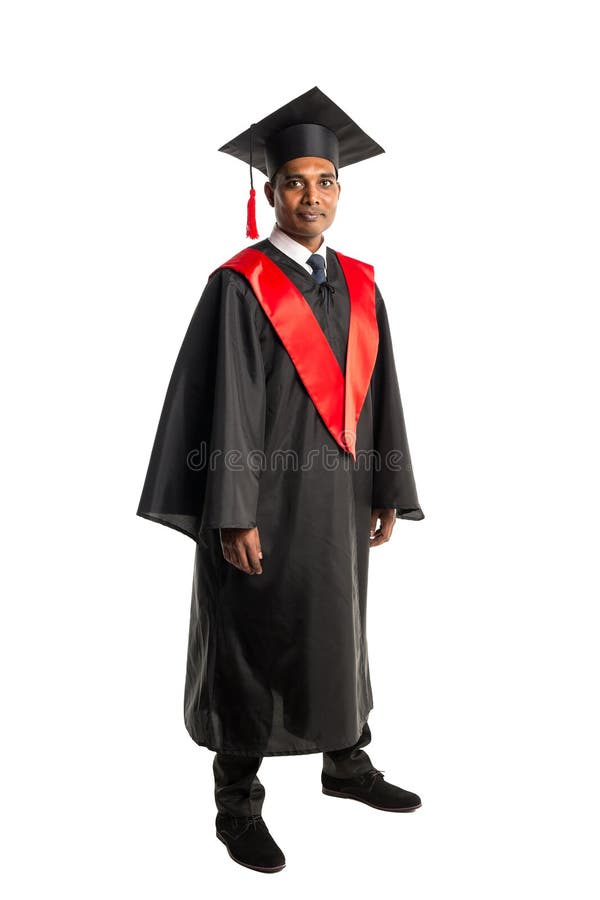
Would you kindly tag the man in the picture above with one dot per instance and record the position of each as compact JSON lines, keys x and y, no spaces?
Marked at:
{"x":280,"y":447}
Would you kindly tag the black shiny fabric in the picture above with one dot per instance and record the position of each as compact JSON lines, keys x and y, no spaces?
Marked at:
{"x":240,"y":792}
{"x":284,"y":134}
{"x":303,"y":139}
{"x":278,"y":662}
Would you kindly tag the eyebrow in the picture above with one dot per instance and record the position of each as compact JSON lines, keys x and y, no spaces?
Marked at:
{"x":300,"y":175}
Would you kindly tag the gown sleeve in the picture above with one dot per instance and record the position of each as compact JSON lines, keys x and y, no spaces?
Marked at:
{"x":393,"y":479}
{"x":204,"y":468}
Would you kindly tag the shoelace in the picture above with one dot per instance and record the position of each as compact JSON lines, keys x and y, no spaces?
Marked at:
{"x":371,"y":776}
{"x":250,"y":821}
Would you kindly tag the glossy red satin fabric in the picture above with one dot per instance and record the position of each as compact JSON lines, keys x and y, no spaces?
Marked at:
{"x":338,"y":400}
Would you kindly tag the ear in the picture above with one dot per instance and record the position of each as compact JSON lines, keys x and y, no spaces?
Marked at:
{"x":269,"y":193}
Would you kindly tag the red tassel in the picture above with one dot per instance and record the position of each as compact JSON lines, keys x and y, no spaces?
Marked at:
{"x":251,"y":229}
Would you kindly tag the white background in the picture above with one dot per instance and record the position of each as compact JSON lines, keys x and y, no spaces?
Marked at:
{"x":482,"y":222}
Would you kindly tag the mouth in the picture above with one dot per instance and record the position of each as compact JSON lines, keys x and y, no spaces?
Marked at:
{"x":310,"y":217}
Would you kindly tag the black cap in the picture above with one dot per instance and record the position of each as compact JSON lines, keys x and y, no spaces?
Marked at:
{"x":310,"y":125}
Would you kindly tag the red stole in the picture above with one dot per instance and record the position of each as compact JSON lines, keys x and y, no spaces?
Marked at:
{"x":338,"y":400}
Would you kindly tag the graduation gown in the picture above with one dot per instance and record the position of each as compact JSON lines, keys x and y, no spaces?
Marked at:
{"x":277,"y":663}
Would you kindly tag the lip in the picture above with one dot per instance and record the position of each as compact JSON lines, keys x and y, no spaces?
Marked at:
{"x":310,"y":217}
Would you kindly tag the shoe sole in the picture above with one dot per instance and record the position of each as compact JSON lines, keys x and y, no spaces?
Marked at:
{"x":366,"y":802}
{"x":247,"y":865}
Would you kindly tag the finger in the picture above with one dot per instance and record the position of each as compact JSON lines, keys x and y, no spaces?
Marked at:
{"x":387,"y":526}
{"x":243,"y":560}
{"x":374,"y":535}
{"x":254,"y":561}
{"x":377,"y":540}
{"x":252,"y":550}
{"x":243,"y":552}
{"x":374,"y":517}
{"x":227,"y":554}
{"x":384,"y":533}
{"x":232,"y":554}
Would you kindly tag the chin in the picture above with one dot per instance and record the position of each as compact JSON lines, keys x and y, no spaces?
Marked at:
{"x":313,"y":228}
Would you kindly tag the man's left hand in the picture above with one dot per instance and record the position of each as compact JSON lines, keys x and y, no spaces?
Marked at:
{"x":384,"y":532}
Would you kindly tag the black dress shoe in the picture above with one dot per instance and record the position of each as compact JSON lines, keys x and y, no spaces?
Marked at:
{"x":370,"y":788}
{"x":249,"y":842}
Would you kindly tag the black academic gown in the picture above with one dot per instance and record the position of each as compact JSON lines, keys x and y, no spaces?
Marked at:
{"x":278,"y":662}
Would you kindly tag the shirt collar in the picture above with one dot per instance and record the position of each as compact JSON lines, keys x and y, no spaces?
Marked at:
{"x":296,"y":251}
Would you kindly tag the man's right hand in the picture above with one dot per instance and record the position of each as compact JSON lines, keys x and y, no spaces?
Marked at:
{"x":241,"y":548}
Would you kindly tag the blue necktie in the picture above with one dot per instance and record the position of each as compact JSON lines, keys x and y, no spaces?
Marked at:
{"x":317,"y":264}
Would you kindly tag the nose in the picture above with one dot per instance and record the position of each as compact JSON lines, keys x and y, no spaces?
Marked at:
{"x":310,"y":195}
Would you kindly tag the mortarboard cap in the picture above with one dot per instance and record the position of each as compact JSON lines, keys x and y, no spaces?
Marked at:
{"x":310,"y":125}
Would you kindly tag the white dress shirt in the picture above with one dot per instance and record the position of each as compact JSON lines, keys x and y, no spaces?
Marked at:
{"x":298,"y":252}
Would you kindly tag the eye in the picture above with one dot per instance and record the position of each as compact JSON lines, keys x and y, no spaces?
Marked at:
{"x":293,"y":181}
{"x":327,"y":181}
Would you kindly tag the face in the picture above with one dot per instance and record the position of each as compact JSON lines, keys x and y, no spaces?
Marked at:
{"x":304,"y":196}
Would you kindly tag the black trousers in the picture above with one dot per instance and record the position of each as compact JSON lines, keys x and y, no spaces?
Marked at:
{"x":239,"y":791}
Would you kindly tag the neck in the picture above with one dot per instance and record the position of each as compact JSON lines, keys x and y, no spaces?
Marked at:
{"x":311,"y":243}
